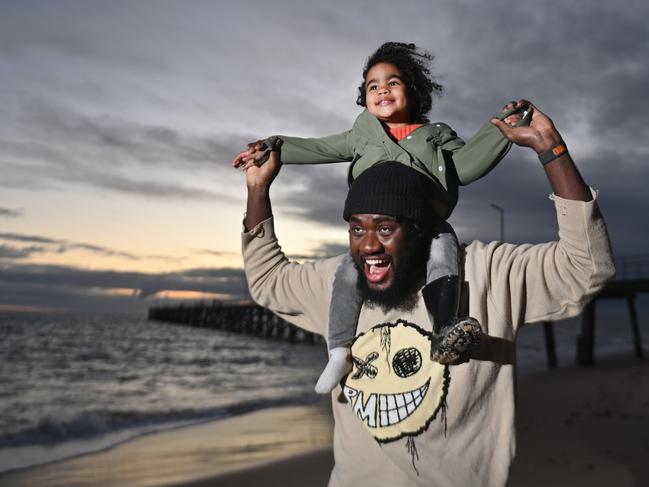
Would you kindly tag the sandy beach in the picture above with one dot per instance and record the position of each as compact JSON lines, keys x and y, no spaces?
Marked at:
{"x":575,"y":427}
{"x":193,"y":453}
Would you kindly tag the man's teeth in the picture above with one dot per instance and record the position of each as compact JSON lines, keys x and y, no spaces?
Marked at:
{"x":375,"y":261}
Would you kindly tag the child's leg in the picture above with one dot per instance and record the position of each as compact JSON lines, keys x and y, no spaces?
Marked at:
{"x":442,"y":290}
{"x":442,"y":297}
{"x":344,"y":309}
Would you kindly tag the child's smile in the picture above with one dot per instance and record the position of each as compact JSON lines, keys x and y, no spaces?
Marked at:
{"x":387,"y":95}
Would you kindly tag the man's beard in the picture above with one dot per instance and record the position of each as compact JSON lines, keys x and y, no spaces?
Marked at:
{"x":402,"y":294}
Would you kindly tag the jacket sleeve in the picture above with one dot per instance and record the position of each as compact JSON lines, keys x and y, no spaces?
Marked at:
{"x":299,"y":293}
{"x":551,"y":281}
{"x":323,"y":150}
{"x":480,"y":154}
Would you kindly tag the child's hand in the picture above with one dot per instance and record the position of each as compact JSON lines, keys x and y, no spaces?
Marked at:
{"x":517,"y":116}
{"x":540,"y":135}
{"x":252,"y":156}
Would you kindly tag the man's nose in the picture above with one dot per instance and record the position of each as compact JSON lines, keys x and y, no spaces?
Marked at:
{"x":371,"y":244}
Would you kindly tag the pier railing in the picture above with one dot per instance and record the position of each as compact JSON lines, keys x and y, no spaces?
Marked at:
{"x":242,"y":317}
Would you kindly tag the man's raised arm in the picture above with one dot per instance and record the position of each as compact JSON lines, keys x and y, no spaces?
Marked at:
{"x":551,"y":281}
{"x":258,"y":181}
{"x":299,"y":293}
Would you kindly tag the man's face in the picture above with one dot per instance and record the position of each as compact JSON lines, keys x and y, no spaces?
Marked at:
{"x":376,"y":243}
{"x":383,"y":250}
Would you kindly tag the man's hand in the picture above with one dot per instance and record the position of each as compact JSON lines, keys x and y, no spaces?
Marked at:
{"x":251,"y":156}
{"x":258,"y":181}
{"x":540,"y":135}
{"x":261,"y":177}
{"x":515,"y":117}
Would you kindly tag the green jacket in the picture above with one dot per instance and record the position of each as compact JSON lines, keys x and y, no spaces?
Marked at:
{"x":434,"y":150}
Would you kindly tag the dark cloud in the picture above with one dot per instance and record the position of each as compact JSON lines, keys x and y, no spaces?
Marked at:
{"x":18,"y":237}
{"x":68,"y":287}
{"x":10,"y":213}
{"x":104,"y":151}
{"x":217,"y":253}
{"x":120,"y":140}
{"x":62,"y":246}
{"x":12,"y":252}
{"x":330,"y":249}
{"x":209,"y":280}
{"x":520,"y":186}
{"x":36,"y":296}
{"x":323,"y":251}
{"x":314,"y":193}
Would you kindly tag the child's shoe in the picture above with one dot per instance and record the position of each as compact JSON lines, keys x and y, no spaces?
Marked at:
{"x":457,"y":338}
{"x":453,"y":335}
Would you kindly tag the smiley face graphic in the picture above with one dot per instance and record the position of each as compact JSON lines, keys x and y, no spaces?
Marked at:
{"x":394,"y":387}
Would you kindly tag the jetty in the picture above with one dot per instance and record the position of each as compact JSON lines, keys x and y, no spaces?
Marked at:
{"x":239,"y":316}
{"x":632,"y":278}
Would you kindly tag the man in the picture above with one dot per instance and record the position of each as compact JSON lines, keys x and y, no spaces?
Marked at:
{"x":455,"y":424}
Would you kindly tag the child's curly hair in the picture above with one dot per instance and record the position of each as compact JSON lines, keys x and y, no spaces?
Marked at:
{"x":414,"y":66}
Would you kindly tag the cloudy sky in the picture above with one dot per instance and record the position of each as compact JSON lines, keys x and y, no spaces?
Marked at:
{"x":118,"y":121}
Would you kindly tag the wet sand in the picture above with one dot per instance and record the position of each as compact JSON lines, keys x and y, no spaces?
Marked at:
{"x":575,"y":427}
{"x":195,"y":452}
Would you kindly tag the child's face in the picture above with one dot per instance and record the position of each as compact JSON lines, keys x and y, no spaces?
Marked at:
{"x":386,"y":95}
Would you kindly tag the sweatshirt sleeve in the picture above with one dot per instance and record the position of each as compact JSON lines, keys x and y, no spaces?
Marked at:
{"x":299,"y":293}
{"x":322,"y":150}
{"x":551,"y":281}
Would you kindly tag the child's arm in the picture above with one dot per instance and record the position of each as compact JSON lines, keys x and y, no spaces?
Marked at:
{"x":297,"y":150}
{"x":482,"y":152}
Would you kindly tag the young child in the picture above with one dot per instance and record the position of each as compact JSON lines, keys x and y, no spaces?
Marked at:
{"x":397,"y":93}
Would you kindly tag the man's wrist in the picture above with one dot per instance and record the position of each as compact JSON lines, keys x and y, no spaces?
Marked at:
{"x":255,"y":190}
{"x":547,"y":142}
{"x":553,"y":153}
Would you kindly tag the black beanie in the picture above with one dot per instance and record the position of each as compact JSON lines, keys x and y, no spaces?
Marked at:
{"x":389,"y":188}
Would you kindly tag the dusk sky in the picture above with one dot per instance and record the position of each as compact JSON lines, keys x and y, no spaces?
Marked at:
{"x":119,"y":120}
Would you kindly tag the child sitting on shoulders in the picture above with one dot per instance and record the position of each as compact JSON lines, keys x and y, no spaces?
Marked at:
{"x":397,"y":91}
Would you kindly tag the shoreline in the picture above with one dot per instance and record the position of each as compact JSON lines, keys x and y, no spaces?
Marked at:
{"x":79,"y":447}
{"x":185,"y":454}
{"x":575,"y":426}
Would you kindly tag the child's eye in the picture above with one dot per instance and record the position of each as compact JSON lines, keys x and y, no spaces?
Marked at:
{"x":371,"y":87}
{"x":394,"y":83}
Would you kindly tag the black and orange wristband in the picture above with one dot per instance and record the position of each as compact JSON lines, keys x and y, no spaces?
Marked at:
{"x":552,"y":153}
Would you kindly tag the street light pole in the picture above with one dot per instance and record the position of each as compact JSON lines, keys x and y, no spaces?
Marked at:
{"x":501,"y":210}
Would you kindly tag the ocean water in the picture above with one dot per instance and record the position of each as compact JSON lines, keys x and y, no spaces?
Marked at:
{"x":75,"y":383}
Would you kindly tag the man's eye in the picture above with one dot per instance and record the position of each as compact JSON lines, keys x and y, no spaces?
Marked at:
{"x":356,"y":230}
{"x":386,"y":229}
